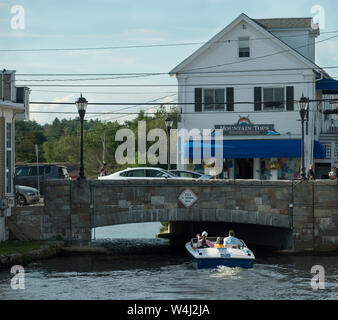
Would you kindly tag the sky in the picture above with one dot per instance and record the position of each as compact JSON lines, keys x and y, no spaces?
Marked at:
{"x":50,"y":24}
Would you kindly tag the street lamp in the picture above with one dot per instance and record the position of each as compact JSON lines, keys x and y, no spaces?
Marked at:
{"x":303,"y":105}
{"x":81,"y":105}
{"x":168,"y":125}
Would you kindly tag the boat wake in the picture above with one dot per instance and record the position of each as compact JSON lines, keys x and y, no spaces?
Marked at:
{"x":228,"y":273}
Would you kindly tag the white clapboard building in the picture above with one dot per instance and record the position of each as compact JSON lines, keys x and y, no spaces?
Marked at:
{"x":14,"y":105}
{"x":247,"y":80}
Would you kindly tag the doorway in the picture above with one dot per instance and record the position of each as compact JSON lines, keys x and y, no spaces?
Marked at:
{"x":244,"y":169}
{"x":322,"y":170}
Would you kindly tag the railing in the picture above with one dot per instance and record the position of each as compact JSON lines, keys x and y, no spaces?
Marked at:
{"x":330,"y":126}
{"x":331,"y":150}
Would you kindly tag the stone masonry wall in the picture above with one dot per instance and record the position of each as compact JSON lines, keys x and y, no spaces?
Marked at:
{"x":309,"y":209}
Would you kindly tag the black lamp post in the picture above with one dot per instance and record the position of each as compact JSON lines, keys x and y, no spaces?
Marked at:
{"x":303,"y":105}
{"x":81,"y":105}
{"x":168,"y":125}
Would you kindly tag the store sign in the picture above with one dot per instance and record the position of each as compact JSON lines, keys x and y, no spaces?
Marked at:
{"x":244,"y":127}
{"x":188,"y":198}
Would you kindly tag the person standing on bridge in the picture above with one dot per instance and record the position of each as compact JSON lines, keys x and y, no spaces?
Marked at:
{"x":311,"y":174}
{"x":332,"y":173}
{"x":232,"y":240}
{"x":103,"y":170}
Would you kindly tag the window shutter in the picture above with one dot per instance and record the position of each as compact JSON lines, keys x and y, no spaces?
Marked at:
{"x":198,"y":99}
{"x":290,"y":98}
{"x":230,"y":99}
{"x":258,"y":98}
{"x":7,"y":87}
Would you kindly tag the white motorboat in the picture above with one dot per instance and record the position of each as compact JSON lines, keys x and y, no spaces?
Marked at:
{"x":230,"y":255}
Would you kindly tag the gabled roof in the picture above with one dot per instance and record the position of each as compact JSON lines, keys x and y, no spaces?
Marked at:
{"x":288,"y":23}
{"x":255,"y":24}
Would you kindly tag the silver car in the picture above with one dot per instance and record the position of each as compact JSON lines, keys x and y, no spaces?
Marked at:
{"x":26,"y":195}
{"x":140,"y":173}
{"x":190,"y":174}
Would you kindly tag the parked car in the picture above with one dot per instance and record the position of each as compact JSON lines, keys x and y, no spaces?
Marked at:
{"x":26,"y":195}
{"x":27,"y":175}
{"x":190,"y":174}
{"x":141,"y":172}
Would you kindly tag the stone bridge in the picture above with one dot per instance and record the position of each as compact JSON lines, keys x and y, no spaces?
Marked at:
{"x":291,"y":215}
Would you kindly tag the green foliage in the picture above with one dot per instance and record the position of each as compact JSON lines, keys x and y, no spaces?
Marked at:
{"x":16,"y":246}
{"x":60,"y":140}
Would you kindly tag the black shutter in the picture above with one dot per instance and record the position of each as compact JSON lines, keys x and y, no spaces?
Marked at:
{"x":258,"y":98}
{"x":230,"y":99}
{"x":198,"y":99}
{"x":20,"y":95}
{"x":289,"y":98}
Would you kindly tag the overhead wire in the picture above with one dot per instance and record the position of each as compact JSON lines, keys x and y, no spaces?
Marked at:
{"x":141,"y":46}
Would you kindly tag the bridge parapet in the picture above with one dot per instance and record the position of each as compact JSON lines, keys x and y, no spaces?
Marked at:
{"x":308,"y":209}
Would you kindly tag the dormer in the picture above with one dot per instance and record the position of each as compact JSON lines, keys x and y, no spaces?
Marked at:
{"x":297,"y":33}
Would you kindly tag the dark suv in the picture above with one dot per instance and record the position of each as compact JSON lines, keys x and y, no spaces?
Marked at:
{"x":27,"y":175}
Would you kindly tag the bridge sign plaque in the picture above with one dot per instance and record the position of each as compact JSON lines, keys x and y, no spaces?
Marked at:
{"x":188,"y":198}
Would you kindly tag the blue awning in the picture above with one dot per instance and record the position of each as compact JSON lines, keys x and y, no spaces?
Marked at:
{"x":329,"y":86}
{"x":248,"y":149}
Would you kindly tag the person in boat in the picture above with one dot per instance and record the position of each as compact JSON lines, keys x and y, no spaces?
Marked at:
{"x":203,"y":242}
{"x":219,"y":243}
{"x":232,"y":240}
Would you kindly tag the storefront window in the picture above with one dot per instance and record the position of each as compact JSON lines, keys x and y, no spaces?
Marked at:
{"x":289,"y":169}
{"x":264,"y":169}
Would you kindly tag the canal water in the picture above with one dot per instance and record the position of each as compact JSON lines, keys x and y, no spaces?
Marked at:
{"x":140,"y":266}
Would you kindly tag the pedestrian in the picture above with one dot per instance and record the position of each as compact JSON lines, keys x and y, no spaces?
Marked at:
{"x":103,"y":170}
{"x":332,"y":173}
{"x":311,"y":174}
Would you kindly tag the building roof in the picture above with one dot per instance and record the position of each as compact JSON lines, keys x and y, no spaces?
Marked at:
{"x":288,"y":23}
{"x":258,"y":23}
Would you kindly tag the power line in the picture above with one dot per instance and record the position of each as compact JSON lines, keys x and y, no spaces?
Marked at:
{"x":156,"y":73}
{"x":98,"y":92}
{"x":143,"y":46}
{"x":199,"y":85}
{"x":146,"y":102}
{"x":170,"y":103}
{"x":92,"y":79}
{"x":264,"y":56}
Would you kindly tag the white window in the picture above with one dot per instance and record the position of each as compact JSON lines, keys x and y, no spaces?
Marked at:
{"x":273,"y":98}
{"x":9,"y":163}
{"x":244,"y":47}
{"x":213,"y":100}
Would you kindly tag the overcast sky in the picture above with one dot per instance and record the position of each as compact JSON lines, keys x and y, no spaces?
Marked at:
{"x":107,"y":23}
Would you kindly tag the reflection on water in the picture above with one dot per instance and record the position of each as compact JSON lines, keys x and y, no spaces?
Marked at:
{"x":148,"y":269}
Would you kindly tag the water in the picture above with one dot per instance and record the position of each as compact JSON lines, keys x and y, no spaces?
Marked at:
{"x":147,"y":268}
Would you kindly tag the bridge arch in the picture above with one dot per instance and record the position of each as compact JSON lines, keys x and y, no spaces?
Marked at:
{"x":307,"y":210}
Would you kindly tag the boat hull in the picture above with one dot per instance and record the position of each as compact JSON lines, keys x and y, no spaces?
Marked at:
{"x":215,"y":257}
{"x":214,"y":263}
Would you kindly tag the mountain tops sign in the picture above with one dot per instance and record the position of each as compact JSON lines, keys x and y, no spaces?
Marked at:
{"x":244,"y":127}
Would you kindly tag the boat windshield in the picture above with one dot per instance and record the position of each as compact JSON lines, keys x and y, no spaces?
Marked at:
{"x":216,"y":241}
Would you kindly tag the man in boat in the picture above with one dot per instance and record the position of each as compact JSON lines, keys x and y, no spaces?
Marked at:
{"x":203,"y":242}
{"x":232,"y":240}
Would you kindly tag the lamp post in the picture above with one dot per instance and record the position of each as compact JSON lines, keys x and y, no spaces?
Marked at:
{"x":168,"y":125}
{"x":81,"y":105}
{"x":303,"y":105}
